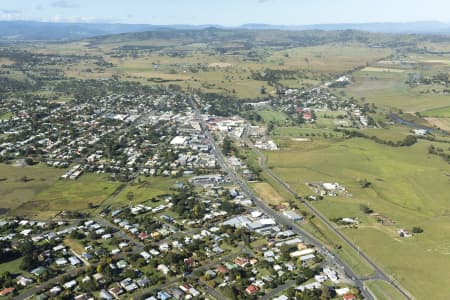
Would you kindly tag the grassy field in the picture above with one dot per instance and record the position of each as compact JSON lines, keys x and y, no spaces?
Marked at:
{"x":5,"y":116}
{"x":15,"y":191}
{"x":268,"y":193}
{"x":201,"y":67}
{"x":74,"y":245}
{"x":329,"y":58}
{"x":407,"y":186}
{"x":378,"y":69}
{"x":274,"y":116}
{"x":442,"y":123}
{"x":389,"y":89}
{"x":392,"y":133}
{"x":383,"y":291}
{"x":12,"y":266}
{"x":347,"y":254}
{"x":283,"y":134}
{"x":150,"y":187}
{"x":69,"y":195}
{"x":442,"y":112}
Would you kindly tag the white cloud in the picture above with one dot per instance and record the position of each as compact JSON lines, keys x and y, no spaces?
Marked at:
{"x":10,"y":15}
{"x":10,"y":11}
{"x":77,"y":19}
{"x":64,"y":4}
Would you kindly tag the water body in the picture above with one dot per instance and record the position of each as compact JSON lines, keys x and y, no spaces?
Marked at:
{"x":399,"y":120}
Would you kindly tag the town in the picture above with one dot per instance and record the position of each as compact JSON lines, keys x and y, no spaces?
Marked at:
{"x":205,"y":237}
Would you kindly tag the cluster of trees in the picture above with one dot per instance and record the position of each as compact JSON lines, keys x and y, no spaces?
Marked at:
{"x":220,"y":105}
{"x":409,"y":140}
{"x":30,"y":255}
{"x":187,"y":205}
{"x":7,"y":253}
{"x":14,"y":85}
{"x":228,"y":146}
{"x":439,"y":151}
{"x":83,"y":90}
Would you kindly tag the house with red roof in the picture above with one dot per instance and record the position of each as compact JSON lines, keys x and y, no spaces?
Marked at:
{"x":349,"y":297}
{"x":222,"y":270}
{"x":6,"y":292}
{"x":252,"y":289}
{"x":241,"y":262}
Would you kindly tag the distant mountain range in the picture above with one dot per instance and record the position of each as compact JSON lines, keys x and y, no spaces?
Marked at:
{"x":43,"y":31}
{"x":406,"y":28}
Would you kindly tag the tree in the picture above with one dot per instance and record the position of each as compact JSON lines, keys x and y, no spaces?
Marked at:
{"x":364,"y":183}
{"x":270,"y":126}
{"x":409,"y":140}
{"x":263,"y":90}
{"x":130,"y":196}
{"x":417,"y":229}
{"x":365,"y":209}
{"x":29,"y":161}
{"x":325,"y":293}
{"x":227,"y":146}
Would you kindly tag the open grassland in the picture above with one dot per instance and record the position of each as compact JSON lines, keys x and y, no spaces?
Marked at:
{"x":70,"y":195}
{"x":392,"y":133}
{"x":274,"y":116}
{"x":378,"y":69}
{"x":12,"y":267}
{"x":5,"y":116}
{"x":442,"y":112}
{"x":268,"y":193}
{"x":383,"y":291}
{"x":336,"y":245}
{"x":148,"y":188}
{"x":5,"y":61}
{"x":283,"y":134}
{"x":198,"y":66}
{"x":330,"y":58}
{"x":75,"y":245}
{"x":408,"y":186}
{"x":390,"y":90}
{"x":442,"y":123}
{"x":19,"y":185}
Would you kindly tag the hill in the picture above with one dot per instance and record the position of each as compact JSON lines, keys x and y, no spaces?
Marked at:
{"x":46,"y":31}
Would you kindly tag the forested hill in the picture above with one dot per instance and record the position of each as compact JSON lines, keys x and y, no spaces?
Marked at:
{"x":46,"y":31}
{"x":241,"y":39}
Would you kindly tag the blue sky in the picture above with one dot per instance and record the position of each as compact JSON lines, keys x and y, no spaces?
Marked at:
{"x":226,"y":12}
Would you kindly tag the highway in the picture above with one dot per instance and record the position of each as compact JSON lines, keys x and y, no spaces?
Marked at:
{"x":308,"y":238}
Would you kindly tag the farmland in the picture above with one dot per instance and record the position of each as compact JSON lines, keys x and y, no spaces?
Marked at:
{"x":406,"y":184}
{"x":442,"y":112}
{"x":389,"y":90}
{"x":327,"y":130}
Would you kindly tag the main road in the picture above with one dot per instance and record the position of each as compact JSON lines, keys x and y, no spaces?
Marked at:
{"x":307,"y":237}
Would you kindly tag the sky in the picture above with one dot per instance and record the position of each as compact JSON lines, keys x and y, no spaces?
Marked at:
{"x":226,"y":12}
